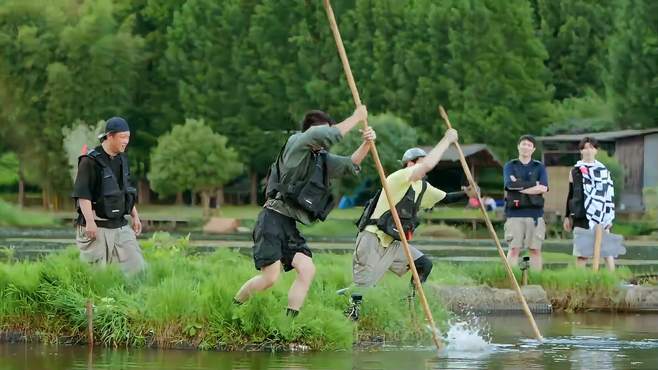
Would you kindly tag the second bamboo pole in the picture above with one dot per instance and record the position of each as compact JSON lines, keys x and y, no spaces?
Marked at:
{"x":501,"y":252}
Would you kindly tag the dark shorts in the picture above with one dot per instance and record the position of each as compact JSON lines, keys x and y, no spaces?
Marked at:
{"x":276,"y":238}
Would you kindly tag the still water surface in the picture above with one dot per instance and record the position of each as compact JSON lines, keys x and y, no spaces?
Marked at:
{"x":592,"y":341}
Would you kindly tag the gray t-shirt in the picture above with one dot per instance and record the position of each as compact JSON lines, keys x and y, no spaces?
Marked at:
{"x":296,"y":161}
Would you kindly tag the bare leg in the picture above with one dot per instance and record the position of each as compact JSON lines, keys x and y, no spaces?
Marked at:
{"x":610,"y":262}
{"x":581,"y":261}
{"x":305,"y":268}
{"x":267,"y":277}
{"x":513,"y":256}
{"x":535,"y":259}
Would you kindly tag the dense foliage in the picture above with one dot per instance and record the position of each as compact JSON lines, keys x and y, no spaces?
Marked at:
{"x":250,"y":69}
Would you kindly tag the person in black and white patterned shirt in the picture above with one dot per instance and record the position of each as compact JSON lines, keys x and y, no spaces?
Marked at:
{"x":590,"y":202}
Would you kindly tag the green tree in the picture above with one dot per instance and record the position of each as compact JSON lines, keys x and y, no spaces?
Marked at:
{"x":251,"y":69}
{"x":193,"y":157}
{"x":29,"y":32}
{"x":500,"y":85}
{"x":632,"y":80}
{"x":8,"y":168}
{"x":577,"y":115}
{"x":62,"y":61}
{"x":96,"y":70}
{"x":228,"y":89}
{"x":155,"y":102}
{"x":575,"y":34}
{"x":421,"y":56}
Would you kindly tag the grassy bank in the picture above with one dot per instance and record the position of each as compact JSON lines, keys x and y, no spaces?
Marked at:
{"x":185,"y":300}
{"x":570,"y":289}
{"x":11,"y":215}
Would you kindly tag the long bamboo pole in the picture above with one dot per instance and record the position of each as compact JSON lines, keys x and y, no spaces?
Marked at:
{"x":382,"y":175}
{"x":501,"y":252}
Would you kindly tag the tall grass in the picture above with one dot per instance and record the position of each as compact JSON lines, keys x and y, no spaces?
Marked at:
{"x":12,"y":216}
{"x":186,"y":300}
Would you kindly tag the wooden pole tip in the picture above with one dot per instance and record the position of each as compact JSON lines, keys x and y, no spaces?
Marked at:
{"x":444,"y":115}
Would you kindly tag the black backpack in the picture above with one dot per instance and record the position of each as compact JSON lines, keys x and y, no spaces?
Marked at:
{"x":407,"y":209}
{"x":312,"y":195}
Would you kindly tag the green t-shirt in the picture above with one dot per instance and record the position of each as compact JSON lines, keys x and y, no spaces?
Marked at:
{"x":296,"y":161}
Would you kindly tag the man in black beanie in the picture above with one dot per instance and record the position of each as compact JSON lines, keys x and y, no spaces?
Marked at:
{"x":103,"y":198}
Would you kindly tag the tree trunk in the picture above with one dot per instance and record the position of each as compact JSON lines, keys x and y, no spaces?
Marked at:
{"x":144,"y":191}
{"x":220,"y":197}
{"x":253,"y":196}
{"x":205,"y":202}
{"x":21,"y":185}
{"x":179,"y":198}
{"x":44,"y":197}
{"x":192,"y":198}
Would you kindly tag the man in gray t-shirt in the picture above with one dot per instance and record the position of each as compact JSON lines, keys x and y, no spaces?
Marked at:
{"x":277,"y":241}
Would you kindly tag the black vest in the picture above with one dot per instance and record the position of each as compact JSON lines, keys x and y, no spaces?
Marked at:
{"x":312,"y":195}
{"x":516,"y":200}
{"x":115,"y":201}
{"x":407,"y":208}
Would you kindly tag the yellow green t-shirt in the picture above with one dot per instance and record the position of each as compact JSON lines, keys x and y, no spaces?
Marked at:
{"x":398,"y":183}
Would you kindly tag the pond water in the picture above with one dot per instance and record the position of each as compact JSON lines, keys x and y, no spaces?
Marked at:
{"x":579,"y":341}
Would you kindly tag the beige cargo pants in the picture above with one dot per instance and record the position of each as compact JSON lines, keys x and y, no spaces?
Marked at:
{"x":111,"y":246}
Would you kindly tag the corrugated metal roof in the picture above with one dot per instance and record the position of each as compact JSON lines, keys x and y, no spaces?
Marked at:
{"x":600,"y":136}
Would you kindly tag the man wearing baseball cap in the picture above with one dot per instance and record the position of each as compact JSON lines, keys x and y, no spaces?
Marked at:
{"x":104,"y":197}
{"x":378,"y":245}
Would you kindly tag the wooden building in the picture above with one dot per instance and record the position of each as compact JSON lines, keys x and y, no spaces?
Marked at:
{"x":448,"y":175}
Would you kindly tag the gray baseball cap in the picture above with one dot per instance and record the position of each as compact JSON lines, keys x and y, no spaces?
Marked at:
{"x":413,"y":154}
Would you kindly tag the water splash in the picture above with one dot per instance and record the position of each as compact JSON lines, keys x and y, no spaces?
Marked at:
{"x":466,"y":339}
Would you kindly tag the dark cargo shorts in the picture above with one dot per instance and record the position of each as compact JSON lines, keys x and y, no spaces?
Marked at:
{"x":276,"y":238}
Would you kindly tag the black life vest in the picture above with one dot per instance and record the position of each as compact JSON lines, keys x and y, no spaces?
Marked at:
{"x":312,"y":194}
{"x":514,"y":199}
{"x":407,"y":208}
{"x":115,"y":201}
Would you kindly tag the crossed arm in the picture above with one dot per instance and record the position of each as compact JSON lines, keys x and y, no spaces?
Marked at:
{"x":525,"y":187}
